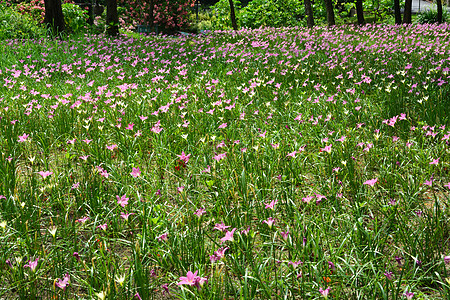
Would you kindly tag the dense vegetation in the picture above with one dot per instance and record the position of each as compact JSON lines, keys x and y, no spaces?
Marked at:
{"x":270,"y":163}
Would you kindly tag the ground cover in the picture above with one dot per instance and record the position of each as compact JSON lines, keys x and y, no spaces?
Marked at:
{"x":258,"y":164}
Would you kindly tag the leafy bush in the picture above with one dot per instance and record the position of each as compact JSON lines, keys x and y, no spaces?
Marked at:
{"x":382,"y":9}
{"x":221,"y":12}
{"x":34,"y":8}
{"x":430,"y":16}
{"x":170,"y":15}
{"x":205,"y":21}
{"x":272,"y":13}
{"x":15,"y":25}
{"x":75,"y":17}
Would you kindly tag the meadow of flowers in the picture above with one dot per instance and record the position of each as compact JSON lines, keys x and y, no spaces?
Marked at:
{"x":257,"y":164}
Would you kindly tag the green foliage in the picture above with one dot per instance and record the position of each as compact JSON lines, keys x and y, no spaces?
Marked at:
{"x":381,"y":9}
{"x":34,"y":8}
{"x":273,"y":13}
{"x":429,"y":16}
{"x":205,"y":21}
{"x":221,"y":11}
{"x":260,"y":13}
{"x":75,"y":17}
{"x":14,"y":25}
{"x":124,"y":161}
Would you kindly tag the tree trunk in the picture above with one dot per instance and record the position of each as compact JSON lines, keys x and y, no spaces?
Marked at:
{"x":330,"y":12}
{"x":54,"y":16}
{"x":439,"y":11}
{"x":407,"y":12}
{"x":232,"y":15}
{"x":309,"y":14}
{"x":112,"y":18}
{"x":152,"y":18}
{"x":360,"y":12}
{"x":397,"y":13}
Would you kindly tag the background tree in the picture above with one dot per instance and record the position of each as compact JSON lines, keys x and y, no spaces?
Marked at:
{"x":232,"y":15}
{"x":152,"y":17}
{"x":112,"y":18}
{"x":397,"y":13}
{"x":330,"y":12}
{"x":439,"y":11}
{"x":309,"y":14}
{"x":360,"y":12}
{"x":53,"y":16}
{"x":408,"y":11}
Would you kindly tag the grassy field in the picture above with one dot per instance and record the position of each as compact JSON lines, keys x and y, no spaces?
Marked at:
{"x":264,"y":164}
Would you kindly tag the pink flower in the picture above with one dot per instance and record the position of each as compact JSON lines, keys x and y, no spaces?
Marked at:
{"x":200,"y":212}
{"x":429,"y":182}
{"x":325,"y":292}
{"x":193,"y":279}
{"x":263,"y":135}
{"x":326,"y":149}
{"x":342,"y":139}
{"x":388,"y":275}
{"x":64,"y":282}
{"x":136,"y":172}
{"x":408,"y":295}
{"x":104,"y":173}
{"x":295,"y":264}
{"x":162,"y":237}
{"x":111,"y":147}
{"x":218,"y":255}
{"x":275,"y":146}
{"x":122,"y":201}
{"x":447,"y":185}
{"x":125,"y":216}
{"x":184,"y":157}
{"x":77,"y":256}
{"x":221,"y":227}
{"x":189,"y":279}
{"x":371,"y":182}
{"x":219,"y":157}
{"x":319,"y":198}
{"x":292,"y":154}
{"x":45,"y":174}
{"x":224,"y":125}
{"x":23,"y":138}
{"x":246,"y":231}
{"x":447,"y":259}
{"x":285,"y":235}
{"x":228,"y":236}
{"x":32,"y":264}
{"x":269,"y":222}
{"x":207,"y":169}
{"x":82,"y":220}
{"x":435,"y":161}
{"x":103,"y":226}
{"x":271,"y":205}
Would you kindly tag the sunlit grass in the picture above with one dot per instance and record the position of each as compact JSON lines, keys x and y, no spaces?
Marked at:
{"x":264,"y":164}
